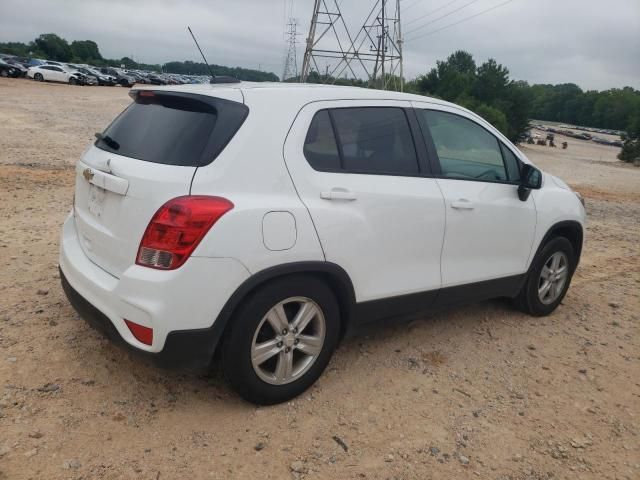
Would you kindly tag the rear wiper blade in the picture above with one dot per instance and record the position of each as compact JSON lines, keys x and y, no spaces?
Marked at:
{"x":108,"y":140}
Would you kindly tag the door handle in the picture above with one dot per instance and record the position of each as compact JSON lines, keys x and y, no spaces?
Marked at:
{"x":462,"y":204}
{"x":338,"y":194}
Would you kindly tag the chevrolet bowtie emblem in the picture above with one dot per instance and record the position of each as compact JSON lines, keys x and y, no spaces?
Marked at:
{"x":87,"y":174}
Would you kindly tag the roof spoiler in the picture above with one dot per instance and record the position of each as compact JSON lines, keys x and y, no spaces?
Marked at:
{"x":223,"y":79}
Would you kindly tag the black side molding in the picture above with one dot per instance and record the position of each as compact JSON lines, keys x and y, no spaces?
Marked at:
{"x":410,"y":306}
{"x":570,"y":229}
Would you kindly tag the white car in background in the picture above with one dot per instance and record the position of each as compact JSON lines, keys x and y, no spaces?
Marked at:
{"x":54,"y":73}
{"x":263,"y":221}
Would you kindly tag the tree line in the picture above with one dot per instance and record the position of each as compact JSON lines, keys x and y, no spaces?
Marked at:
{"x":509,"y":104}
{"x":53,"y":47}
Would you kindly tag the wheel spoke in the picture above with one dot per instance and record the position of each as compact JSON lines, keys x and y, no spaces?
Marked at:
{"x":555,"y":262}
{"x":264,"y":351}
{"x":306,"y":313}
{"x":546,"y":272}
{"x":278,"y":318}
{"x":557,"y":288}
{"x":284,"y":368}
{"x":542,"y":291}
{"x":310,"y":345}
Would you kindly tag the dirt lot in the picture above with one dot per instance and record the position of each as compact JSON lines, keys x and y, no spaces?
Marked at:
{"x":476,"y":392}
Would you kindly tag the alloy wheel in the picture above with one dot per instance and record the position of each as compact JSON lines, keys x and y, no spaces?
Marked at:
{"x":553,"y":278}
{"x":288,"y":340}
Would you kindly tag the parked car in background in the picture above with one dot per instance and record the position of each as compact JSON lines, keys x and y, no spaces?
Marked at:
{"x":121,"y":77}
{"x":103,"y":78}
{"x":54,"y":73}
{"x":8,"y":70}
{"x":22,"y":68}
{"x":263,"y":221}
{"x":85,"y":79}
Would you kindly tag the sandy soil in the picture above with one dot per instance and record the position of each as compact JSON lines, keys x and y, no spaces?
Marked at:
{"x":475,"y":392}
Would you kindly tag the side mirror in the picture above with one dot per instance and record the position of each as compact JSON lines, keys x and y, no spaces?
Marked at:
{"x":530,"y":178}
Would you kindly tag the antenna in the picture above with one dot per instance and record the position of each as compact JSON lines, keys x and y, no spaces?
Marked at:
{"x":203,"y":57}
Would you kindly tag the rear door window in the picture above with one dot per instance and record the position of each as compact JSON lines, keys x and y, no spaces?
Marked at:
{"x":173,"y":129}
{"x":375,"y":140}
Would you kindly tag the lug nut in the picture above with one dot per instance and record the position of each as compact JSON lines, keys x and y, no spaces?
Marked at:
{"x":285,"y":331}
{"x":295,"y":330}
{"x":286,"y":350}
{"x":279,"y":344}
{"x":296,"y":341}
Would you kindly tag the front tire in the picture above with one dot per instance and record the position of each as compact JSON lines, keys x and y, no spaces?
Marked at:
{"x":548,"y":279}
{"x":73,"y":81}
{"x":281,"y":339}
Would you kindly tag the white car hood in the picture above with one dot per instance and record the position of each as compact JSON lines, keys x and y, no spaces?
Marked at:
{"x":558,"y":182}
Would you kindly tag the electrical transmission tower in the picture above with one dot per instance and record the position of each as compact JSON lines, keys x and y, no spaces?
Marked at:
{"x":374,"y":53}
{"x":291,"y":59}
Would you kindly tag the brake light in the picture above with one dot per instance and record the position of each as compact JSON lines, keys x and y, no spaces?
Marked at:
{"x":177,"y":228}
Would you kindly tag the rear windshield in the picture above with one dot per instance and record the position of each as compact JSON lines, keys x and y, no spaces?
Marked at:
{"x":173,"y":129}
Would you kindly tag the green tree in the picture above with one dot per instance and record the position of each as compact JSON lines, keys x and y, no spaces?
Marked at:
{"x":494,"y":116}
{"x":631,"y":148}
{"x":450,"y":79}
{"x":54,"y":47}
{"x":490,"y":82}
{"x":86,"y":50}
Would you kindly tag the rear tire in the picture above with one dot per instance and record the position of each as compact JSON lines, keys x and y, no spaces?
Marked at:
{"x":4,"y":73}
{"x":38,"y":77}
{"x":548,"y":279}
{"x":266,"y":366}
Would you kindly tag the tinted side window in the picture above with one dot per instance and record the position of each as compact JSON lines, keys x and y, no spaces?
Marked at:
{"x":320,"y":148}
{"x":375,"y":140}
{"x":513,"y":164}
{"x":465,"y":149}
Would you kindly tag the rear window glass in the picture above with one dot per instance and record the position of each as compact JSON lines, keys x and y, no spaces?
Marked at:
{"x":173,"y":129}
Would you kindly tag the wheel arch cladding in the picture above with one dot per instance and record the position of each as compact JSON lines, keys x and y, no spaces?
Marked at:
{"x":335,"y":277}
{"x":572,"y":231}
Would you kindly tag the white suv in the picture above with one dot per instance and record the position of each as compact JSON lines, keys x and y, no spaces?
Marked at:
{"x":263,"y":221}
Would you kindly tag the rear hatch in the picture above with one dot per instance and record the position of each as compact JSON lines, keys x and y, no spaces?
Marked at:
{"x":147,"y":156}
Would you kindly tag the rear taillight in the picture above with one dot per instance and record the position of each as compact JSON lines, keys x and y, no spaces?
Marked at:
{"x":177,"y":228}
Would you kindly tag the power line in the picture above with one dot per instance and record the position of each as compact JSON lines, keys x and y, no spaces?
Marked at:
{"x":459,"y":21}
{"x":441,"y":17}
{"x":431,"y":12}
{"x":412,"y":5}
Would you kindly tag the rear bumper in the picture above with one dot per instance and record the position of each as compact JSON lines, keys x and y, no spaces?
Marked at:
{"x":181,"y":306}
{"x":187,"y":349}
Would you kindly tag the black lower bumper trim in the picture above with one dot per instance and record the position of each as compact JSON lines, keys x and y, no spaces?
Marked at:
{"x":183,"y":349}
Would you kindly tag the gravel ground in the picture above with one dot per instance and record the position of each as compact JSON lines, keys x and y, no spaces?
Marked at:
{"x":476,"y":392}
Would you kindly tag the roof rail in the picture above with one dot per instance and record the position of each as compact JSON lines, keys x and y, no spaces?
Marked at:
{"x":223,"y":79}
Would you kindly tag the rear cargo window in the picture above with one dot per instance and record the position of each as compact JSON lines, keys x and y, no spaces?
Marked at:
{"x":173,"y":129}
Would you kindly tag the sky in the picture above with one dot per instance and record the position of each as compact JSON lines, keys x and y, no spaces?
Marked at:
{"x":593,"y":44}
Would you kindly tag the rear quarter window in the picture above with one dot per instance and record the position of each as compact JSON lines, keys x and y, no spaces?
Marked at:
{"x":173,"y":128}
